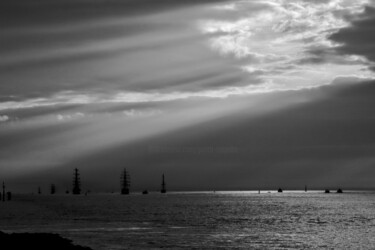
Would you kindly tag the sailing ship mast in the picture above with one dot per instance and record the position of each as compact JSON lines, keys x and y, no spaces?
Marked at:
{"x":163,"y":189}
{"x":125,"y":182}
{"x":3,"y":192}
{"x":76,"y":182}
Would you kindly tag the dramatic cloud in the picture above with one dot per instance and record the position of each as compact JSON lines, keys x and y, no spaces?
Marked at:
{"x":229,"y":94}
{"x":359,"y":38}
{"x":286,"y":42}
{"x":173,"y":51}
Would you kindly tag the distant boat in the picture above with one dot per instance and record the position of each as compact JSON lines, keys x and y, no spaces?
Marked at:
{"x":327,"y":191}
{"x":125,"y":182}
{"x":279,"y":190}
{"x":144,"y":192}
{"x":339,"y":191}
{"x":163,"y":189}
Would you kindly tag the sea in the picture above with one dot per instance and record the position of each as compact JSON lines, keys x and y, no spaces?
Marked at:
{"x":200,"y":220}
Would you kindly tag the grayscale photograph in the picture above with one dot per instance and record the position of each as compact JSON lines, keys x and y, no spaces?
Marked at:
{"x":187,"y":124}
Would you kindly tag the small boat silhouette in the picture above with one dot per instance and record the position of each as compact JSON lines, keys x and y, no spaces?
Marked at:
{"x":279,"y":190}
{"x":339,"y":191}
{"x":327,"y":191}
{"x":144,"y":192}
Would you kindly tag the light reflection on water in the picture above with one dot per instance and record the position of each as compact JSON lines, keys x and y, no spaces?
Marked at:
{"x":291,"y":220}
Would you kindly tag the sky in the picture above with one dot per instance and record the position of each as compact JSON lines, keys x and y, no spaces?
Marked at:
{"x":217,"y":95}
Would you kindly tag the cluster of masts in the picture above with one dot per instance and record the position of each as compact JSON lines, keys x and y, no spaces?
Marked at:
{"x":125,"y":183}
{"x":5,"y":195}
{"x":125,"y":186}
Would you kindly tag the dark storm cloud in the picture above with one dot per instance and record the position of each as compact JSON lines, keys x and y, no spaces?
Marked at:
{"x":359,"y":38}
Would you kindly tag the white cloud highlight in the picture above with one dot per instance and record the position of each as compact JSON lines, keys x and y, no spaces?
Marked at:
{"x":141,"y":113}
{"x":68,"y":117}
{"x":286,"y":42}
{"x":4,"y":118}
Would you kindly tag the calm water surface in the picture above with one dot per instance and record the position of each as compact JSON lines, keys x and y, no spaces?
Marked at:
{"x":221,"y":220}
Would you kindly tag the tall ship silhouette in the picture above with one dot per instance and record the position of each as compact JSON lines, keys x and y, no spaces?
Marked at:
{"x":76,"y":182}
{"x":125,"y":182}
{"x":163,"y":189}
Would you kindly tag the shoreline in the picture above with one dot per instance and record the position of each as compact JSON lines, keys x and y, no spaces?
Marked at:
{"x":41,"y":241}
